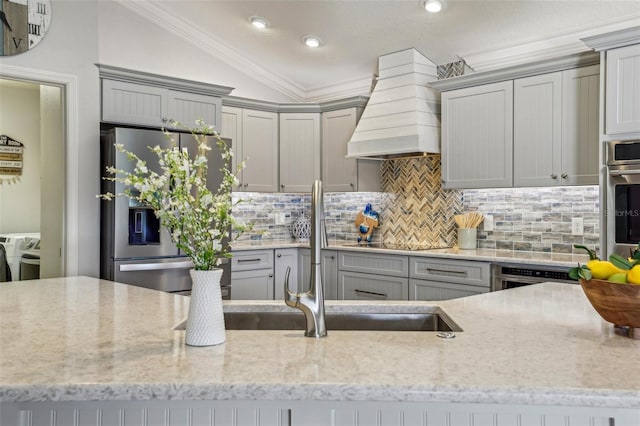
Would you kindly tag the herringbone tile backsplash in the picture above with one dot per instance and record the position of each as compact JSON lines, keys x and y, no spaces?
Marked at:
{"x":418,"y":213}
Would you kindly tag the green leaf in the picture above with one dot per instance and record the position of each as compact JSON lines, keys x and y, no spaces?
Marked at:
{"x":585,"y":273}
{"x":573,"y":273}
{"x":592,"y":254}
{"x":620,"y":262}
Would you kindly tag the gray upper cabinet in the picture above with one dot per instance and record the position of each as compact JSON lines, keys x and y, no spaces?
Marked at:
{"x":189,"y":107}
{"x":131,"y":103}
{"x":556,"y":128}
{"x":537,"y":130}
{"x":477,"y":136}
{"x":340,"y":174}
{"x":144,"y":99}
{"x":623,"y":90}
{"x":580,"y":126}
{"x":254,"y":136}
{"x":299,"y":151}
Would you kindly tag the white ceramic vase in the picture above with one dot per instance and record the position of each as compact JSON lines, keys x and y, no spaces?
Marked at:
{"x":205,"y":323}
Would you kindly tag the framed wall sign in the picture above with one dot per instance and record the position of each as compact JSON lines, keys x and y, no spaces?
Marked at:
{"x":11,"y":152}
{"x":24,"y":23}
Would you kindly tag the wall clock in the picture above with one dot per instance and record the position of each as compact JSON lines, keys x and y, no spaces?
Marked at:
{"x":24,"y":23}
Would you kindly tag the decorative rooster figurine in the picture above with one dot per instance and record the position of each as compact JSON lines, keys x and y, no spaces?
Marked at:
{"x":366,"y":222}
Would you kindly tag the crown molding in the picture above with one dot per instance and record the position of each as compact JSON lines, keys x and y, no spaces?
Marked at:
{"x":614,"y":39}
{"x":213,"y":46}
{"x":361,"y":86}
{"x":518,"y":71}
{"x":253,"y":104}
{"x":141,"y":77}
{"x":563,"y":45}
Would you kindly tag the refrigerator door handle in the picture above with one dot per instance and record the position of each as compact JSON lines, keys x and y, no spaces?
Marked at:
{"x":156,"y":266}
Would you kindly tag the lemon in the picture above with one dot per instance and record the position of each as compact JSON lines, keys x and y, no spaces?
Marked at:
{"x":603,"y":269}
{"x":634,"y":275}
{"x":620,"y":277}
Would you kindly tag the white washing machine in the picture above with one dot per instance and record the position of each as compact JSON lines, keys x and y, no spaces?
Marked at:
{"x":15,"y":245}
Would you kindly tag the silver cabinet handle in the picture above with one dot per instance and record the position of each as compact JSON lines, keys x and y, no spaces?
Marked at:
{"x":554,"y":176}
{"x":370,"y":293}
{"x":156,"y":266}
{"x":624,"y":172}
{"x":446,"y":271}
{"x":564,"y":176}
{"x":248,"y":260}
{"x":270,"y":275}
{"x":279,"y":255}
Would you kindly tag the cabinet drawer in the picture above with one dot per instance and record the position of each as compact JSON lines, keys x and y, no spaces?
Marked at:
{"x":453,"y":271}
{"x":357,"y":286}
{"x":382,"y":264}
{"x":434,"y":290}
{"x":252,"y":259}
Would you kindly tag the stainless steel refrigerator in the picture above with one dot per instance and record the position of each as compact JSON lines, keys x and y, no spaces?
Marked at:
{"x":134,"y":248}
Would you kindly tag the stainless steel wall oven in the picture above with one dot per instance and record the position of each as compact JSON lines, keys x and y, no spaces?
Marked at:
{"x":623,"y":197}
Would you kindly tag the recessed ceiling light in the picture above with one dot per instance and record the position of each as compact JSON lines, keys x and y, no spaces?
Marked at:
{"x":434,"y":6}
{"x":312,"y":41}
{"x":259,"y":22}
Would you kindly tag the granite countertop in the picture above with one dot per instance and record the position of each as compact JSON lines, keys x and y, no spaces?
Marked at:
{"x":80,"y":338}
{"x":514,"y":257}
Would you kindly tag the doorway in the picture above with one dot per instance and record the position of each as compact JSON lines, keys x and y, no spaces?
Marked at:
{"x":32,"y":194}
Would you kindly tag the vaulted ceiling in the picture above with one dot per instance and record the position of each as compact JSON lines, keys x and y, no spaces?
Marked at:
{"x":486,"y":33}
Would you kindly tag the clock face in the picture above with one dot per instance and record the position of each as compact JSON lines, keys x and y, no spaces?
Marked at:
{"x":23,"y":23}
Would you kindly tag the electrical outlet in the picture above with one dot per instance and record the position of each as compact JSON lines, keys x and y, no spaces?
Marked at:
{"x":280,"y":218}
{"x":488,"y":222}
{"x":577,"y":226}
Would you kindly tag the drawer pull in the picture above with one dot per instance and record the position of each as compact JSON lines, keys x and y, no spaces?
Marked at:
{"x":446,"y":271}
{"x":371,"y":293}
{"x":249,"y":260}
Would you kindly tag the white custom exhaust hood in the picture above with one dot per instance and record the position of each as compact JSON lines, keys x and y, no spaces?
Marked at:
{"x":402,"y":116}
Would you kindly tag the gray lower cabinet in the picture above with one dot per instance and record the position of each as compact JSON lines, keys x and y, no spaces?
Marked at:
{"x":442,"y":279}
{"x":359,"y":286}
{"x":329,"y":263}
{"x":252,"y":275}
{"x":372,"y":276}
{"x":285,"y":259}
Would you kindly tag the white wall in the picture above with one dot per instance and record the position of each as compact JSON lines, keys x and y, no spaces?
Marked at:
{"x":20,"y":120}
{"x":129,"y":41}
{"x":70,"y":48}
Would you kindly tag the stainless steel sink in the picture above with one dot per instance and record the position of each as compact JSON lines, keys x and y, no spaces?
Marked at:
{"x":375,"y":321}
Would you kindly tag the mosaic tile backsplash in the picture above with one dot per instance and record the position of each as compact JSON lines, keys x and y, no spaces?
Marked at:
{"x":528,"y":219}
{"x":537,"y":219}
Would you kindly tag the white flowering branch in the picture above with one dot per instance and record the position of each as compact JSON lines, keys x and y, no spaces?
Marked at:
{"x":197,"y":219}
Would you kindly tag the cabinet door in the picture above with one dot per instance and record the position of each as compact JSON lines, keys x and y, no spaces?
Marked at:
{"x":299,"y":151}
{"x":477,"y":136}
{"x":623,"y":90}
{"x":231,"y":127}
{"x":189,"y":107}
{"x":254,"y":284}
{"x":129,"y":103}
{"x":537,"y":129}
{"x":357,"y":286}
{"x":260,"y":151}
{"x":338,"y":173}
{"x":466,"y":272}
{"x":329,"y":270}
{"x":381,"y":264}
{"x":434,"y":290}
{"x":285,"y":258}
{"x":580,"y":132}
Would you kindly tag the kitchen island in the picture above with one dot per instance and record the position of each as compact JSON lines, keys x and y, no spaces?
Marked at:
{"x":96,"y":352}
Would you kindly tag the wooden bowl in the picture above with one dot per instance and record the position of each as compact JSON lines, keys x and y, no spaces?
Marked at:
{"x":617,"y":303}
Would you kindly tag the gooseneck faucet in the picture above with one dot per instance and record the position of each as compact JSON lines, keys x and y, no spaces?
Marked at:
{"x":311,"y":302}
